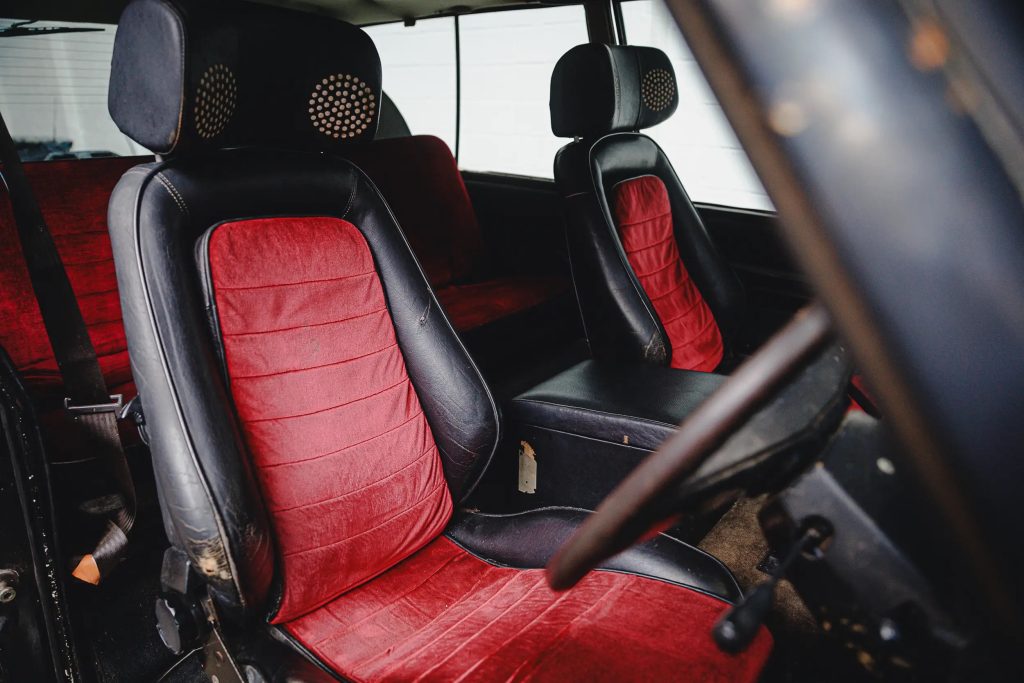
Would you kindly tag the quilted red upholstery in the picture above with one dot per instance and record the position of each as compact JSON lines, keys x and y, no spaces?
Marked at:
{"x":343,"y":451}
{"x":644,"y":218}
{"x":73,"y":196}
{"x":445,"y":615}
{"x":420,"y":180}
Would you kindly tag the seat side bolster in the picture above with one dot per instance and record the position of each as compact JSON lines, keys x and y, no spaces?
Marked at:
{"x":619,"y":321}
{"x":460,"y":409}
{"x":714,"y":277}
{"x":211,"y":507}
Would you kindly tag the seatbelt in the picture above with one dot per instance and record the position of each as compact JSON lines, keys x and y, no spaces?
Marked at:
{"x":86,"y":397}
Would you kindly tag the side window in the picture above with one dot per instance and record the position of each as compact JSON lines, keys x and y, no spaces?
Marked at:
{"x":507,"y":59}
{"x":53,"y":91}
{"x":418,"y":64}
{"x":697,"y":138}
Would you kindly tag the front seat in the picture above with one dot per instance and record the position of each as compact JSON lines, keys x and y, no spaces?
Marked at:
{"x":650,"y":284}
{"x":314,"y":420}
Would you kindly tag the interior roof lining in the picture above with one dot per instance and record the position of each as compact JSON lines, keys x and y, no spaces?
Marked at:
{"x":362,"y":12}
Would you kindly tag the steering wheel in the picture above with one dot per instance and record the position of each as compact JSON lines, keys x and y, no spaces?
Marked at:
{"x":645,"y":499}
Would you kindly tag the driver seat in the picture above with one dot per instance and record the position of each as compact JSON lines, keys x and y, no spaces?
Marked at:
{"x":314,"y":419}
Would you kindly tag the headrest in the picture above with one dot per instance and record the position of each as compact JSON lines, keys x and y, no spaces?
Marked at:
{"x":598,"y":89}
{"x":192,"y":74}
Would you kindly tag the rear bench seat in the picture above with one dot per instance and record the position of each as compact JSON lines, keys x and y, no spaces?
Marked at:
{"x":420,"y":180}
{"x":73,"y":196}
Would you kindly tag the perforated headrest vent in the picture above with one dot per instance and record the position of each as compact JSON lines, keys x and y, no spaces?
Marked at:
{"x":599,"y":89}
{"x":189,"y":74}
{"x":215,"y":100}
{"x":342,"y":106}
{"x":658,"y":90}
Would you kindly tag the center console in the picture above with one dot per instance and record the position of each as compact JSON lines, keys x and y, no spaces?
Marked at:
{"x":574,"y":437}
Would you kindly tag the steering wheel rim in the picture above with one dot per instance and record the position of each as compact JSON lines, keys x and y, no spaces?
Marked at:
{"x":641,"y":501}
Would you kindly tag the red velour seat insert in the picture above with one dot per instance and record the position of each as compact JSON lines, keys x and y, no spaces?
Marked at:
{"x":73,"y":197}
{"x":346,"y":460}
{"x":446,"y":615}
{"x":643,"y":215}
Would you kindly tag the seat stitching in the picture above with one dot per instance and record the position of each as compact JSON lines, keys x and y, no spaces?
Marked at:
{"x":637,"y":250}
{"x":685,"y":313}
{"x":558,"y":636}
{"x":235,"y":378}
{"x":325,"y":410}
{"x":300,"y":282}
{"x":473,"y":611}
{"x":646,"y":219}
{"x":302,"y":327}
{"x":665,"y":294}
{"x":169,"y":186}
{"x":508,"y":640}
{"x":349,"y":628}
{"x":694,"y":338}
{"x":341,"y":450}
{"x":426,"y":498}
{"x":371,"y":484}
{"x":671,"y":263}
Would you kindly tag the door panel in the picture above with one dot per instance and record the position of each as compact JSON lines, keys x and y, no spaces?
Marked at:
{"x":750,"y":242}
{"x":522,"y":224}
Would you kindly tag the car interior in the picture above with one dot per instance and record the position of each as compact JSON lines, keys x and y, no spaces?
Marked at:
{"x":402,"y":341}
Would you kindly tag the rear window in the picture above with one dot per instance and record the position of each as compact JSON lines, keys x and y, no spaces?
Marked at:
{"x":53,"y":91}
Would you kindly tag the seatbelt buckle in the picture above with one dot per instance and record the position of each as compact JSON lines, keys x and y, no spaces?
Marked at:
{"x":115,"y":406}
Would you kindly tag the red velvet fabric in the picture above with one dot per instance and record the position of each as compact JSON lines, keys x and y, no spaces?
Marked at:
{"x":73,"y":196}
{"x":644,"y":219}
{"x":475,"y":305}
{"x":348,"y":465}
{"x":445,"y":615}
{"x":420,"y":180}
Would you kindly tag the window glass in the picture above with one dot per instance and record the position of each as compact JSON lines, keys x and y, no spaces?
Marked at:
{"x":53,"y":93}
{"x":507,"y":59}
{"x":418,"y":65}
{"x":697,"y":138}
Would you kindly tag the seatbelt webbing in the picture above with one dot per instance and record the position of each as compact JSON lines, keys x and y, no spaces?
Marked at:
{"x":87,"y":399}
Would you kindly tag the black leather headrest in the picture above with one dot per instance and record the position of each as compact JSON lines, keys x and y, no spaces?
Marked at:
{"x":598,"y":89}
{"x":192,"y":74}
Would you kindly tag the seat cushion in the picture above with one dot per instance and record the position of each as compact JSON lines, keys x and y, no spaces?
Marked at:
{"x":347,"y":462}
{"x":475,"y":305}
{"x":444,"y":615}
{"x":643,"y":216}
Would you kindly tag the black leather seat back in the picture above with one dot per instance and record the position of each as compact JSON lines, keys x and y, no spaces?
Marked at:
{"x":601,"y":96}
{"x":275,"y":62}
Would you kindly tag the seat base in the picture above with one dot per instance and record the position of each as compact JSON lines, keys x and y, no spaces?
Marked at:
{"x":446,"y":614}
